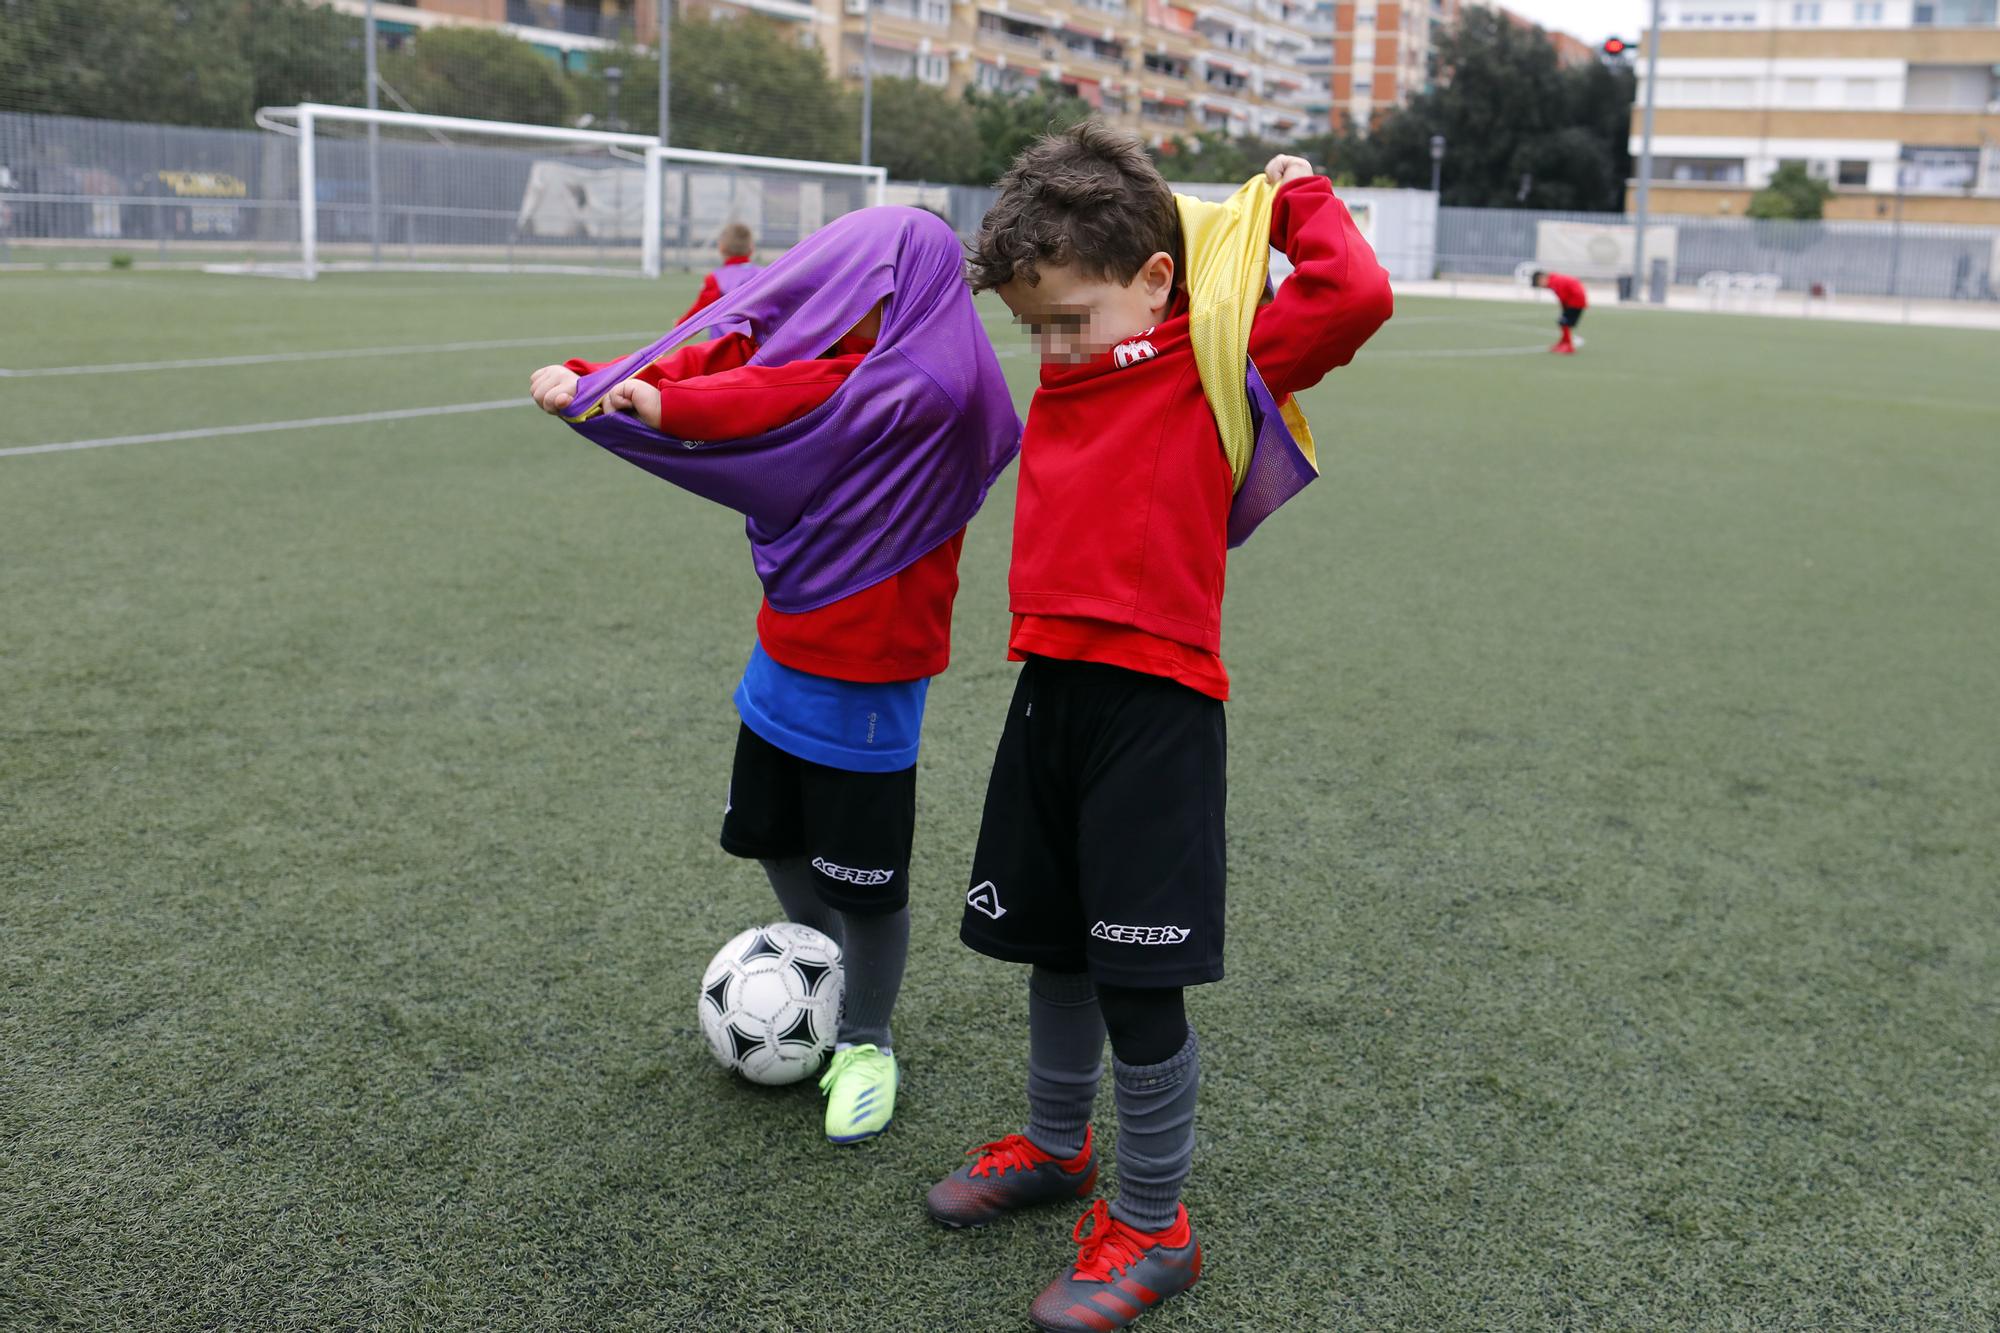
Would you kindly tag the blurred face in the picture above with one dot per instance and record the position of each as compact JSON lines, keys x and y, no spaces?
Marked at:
{"x":1075,"y":317}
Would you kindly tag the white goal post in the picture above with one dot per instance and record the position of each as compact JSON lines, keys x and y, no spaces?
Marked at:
{"x":464,"y":194}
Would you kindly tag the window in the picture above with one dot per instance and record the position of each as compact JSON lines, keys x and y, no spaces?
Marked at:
{"x":1867,"y":13}
{"x":1798,"y":92}
{"x":1940,"y":168}
{"x":934,"y":69}
{"x":1860,"y":92}
{"x":1806,"y":13}
{"x":1852,"y":173}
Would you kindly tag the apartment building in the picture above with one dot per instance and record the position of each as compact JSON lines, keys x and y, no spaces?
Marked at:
{"x":568,"y":30}
{"x":1879,"y":98}
{"x":1162,"y":68}
{"x":1384,"y":52}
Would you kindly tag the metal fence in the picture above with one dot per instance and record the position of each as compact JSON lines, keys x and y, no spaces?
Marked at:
{"x":1916,"y":260}
{"x":73,"y":187}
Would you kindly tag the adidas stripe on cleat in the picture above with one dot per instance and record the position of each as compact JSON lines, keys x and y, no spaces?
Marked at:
{"x":1119,"y":1274}
{"x":1011,"y":1173}
{"x":860,"y":1088}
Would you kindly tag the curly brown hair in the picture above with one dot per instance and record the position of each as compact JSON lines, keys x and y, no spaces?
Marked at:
{"x":1089,"y":196}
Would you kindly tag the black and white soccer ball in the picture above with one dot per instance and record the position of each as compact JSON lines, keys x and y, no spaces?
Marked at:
{"x":770,"y":1002}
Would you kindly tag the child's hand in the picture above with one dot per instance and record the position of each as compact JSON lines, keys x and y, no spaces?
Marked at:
{"x":1284,"y":167}
{"x":639,"y":398}
{"x":553,"y":388}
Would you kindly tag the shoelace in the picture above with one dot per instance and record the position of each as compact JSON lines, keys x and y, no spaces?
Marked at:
{"x":841,"y":1060}
{"x":1109,"y":1249}
{"x":1013,"y":1153}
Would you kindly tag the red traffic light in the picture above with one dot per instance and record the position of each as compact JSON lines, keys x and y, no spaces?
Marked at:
{"x":1615,"y":46}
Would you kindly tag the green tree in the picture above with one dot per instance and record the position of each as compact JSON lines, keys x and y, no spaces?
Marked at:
{"x":176,"y":64}
{"x":739,"y":85}
{"x":1217,"y":158}
{"x":302,"y":52}
{"x":1009,"y":122}
{"x":924,"y":134}
{"x":1792,"y":194}
{"x":1565,"y":129}
{"x":481,"y":73}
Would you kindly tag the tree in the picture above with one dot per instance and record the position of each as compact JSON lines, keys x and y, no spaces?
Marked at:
{"x":303,"y":52}
{"x":481,"y":73}
{"x":1009,"y":122}
{"x":176,"y":64}
{"x":1217,"y":158}
{"x":1793,"y":193}
{"x":924,"y":134}
{"x":1566,"y":129}
{"x":739,"y":86}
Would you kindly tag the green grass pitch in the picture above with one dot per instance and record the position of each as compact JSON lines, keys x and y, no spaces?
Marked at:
{"x":1615,"y":846}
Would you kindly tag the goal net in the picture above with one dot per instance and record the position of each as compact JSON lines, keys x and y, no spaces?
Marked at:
{"x":389,"y":190}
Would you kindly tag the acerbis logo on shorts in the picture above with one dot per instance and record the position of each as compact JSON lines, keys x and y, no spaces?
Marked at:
{"x":985,"y":897}
{"x":851,"y":876}
{"x":1140,"y":934}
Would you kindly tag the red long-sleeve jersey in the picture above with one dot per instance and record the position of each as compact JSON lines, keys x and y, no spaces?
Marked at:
{"x":1568,"y":291}
{"x":1121,"y":527}
{"x":711,"y":290}
{"x":897,"y":629}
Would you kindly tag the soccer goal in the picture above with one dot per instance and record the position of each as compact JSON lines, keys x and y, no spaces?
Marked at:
{"x":397,"y":190}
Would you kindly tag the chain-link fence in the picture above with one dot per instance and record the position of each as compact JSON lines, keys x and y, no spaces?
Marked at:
{"x":1918,"y":261}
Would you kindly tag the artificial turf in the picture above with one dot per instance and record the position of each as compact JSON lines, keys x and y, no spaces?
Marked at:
{"x":1615,"y":847}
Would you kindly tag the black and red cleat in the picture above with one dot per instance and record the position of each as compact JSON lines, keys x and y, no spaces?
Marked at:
{"x":1119,"y":1274}
{"x":1007,"y":1174}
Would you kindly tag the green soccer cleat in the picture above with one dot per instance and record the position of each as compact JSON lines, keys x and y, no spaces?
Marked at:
{"x":860,"y":1088}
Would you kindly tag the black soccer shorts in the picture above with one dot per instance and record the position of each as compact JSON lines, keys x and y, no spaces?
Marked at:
{"x":856,"y":827}
{"x":1570,"y":317}
{"x":1102,"y":849}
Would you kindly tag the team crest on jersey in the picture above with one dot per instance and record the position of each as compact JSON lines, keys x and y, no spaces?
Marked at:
{"x":1133,"y":350}
{"x":1139,"y":934}
{"x":851,"y":876}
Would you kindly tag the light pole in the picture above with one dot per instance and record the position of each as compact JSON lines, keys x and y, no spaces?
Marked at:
{"x":614,"y":79}
{"x":667,"y":79}
{"x":867,"y":81}
{"x":374,"y":140}
{"x":1437,"y":162}
{"x":1640,"y":287}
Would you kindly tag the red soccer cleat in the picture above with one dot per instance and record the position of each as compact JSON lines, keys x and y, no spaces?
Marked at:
{"x":1119,"y":1274}
{"x":1007,"y":1174}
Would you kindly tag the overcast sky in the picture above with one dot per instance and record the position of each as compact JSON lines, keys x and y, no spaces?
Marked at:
{"x":1592,"y":20}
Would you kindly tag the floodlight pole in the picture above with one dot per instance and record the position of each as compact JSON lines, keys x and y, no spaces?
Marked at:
{"x":1641,"y":288}
{"x":867,"y":81}
{"x":667,"y":79}
{"x":374,"y":140}
{"x":1437,"y":163}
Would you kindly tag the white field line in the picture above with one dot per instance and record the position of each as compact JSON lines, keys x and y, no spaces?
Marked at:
{"x":266,"y":427}
{"x":337,"y":354}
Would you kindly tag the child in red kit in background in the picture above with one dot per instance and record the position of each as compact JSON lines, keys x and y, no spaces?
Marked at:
{"x":1574,"y":301}
{"x":737,"y":244}
{"x":1100,"y":860}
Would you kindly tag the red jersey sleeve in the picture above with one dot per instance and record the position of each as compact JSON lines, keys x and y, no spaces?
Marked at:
{"x":1336,"y":298}
{"x":709,"y":391}
{"x":709,"y":294}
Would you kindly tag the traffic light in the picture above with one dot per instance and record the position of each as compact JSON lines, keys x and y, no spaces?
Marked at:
{"x":1616,"y":46}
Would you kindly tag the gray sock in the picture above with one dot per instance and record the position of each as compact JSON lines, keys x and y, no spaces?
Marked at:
{"x":792,"y":880}
{"x":1065,"y":1059}
{"x":874,"y":951}
{"x":1155,"y":1136}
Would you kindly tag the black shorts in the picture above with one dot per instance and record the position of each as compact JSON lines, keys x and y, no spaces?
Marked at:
{"x":1101,"y":849}
{"x":856,"y":827}
{"x":1570,"y":315}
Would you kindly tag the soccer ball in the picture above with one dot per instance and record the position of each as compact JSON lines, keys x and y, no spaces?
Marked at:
{"x":770,"y":1002}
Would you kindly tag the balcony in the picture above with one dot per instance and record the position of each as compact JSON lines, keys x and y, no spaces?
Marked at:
{"x":575,"y":19}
